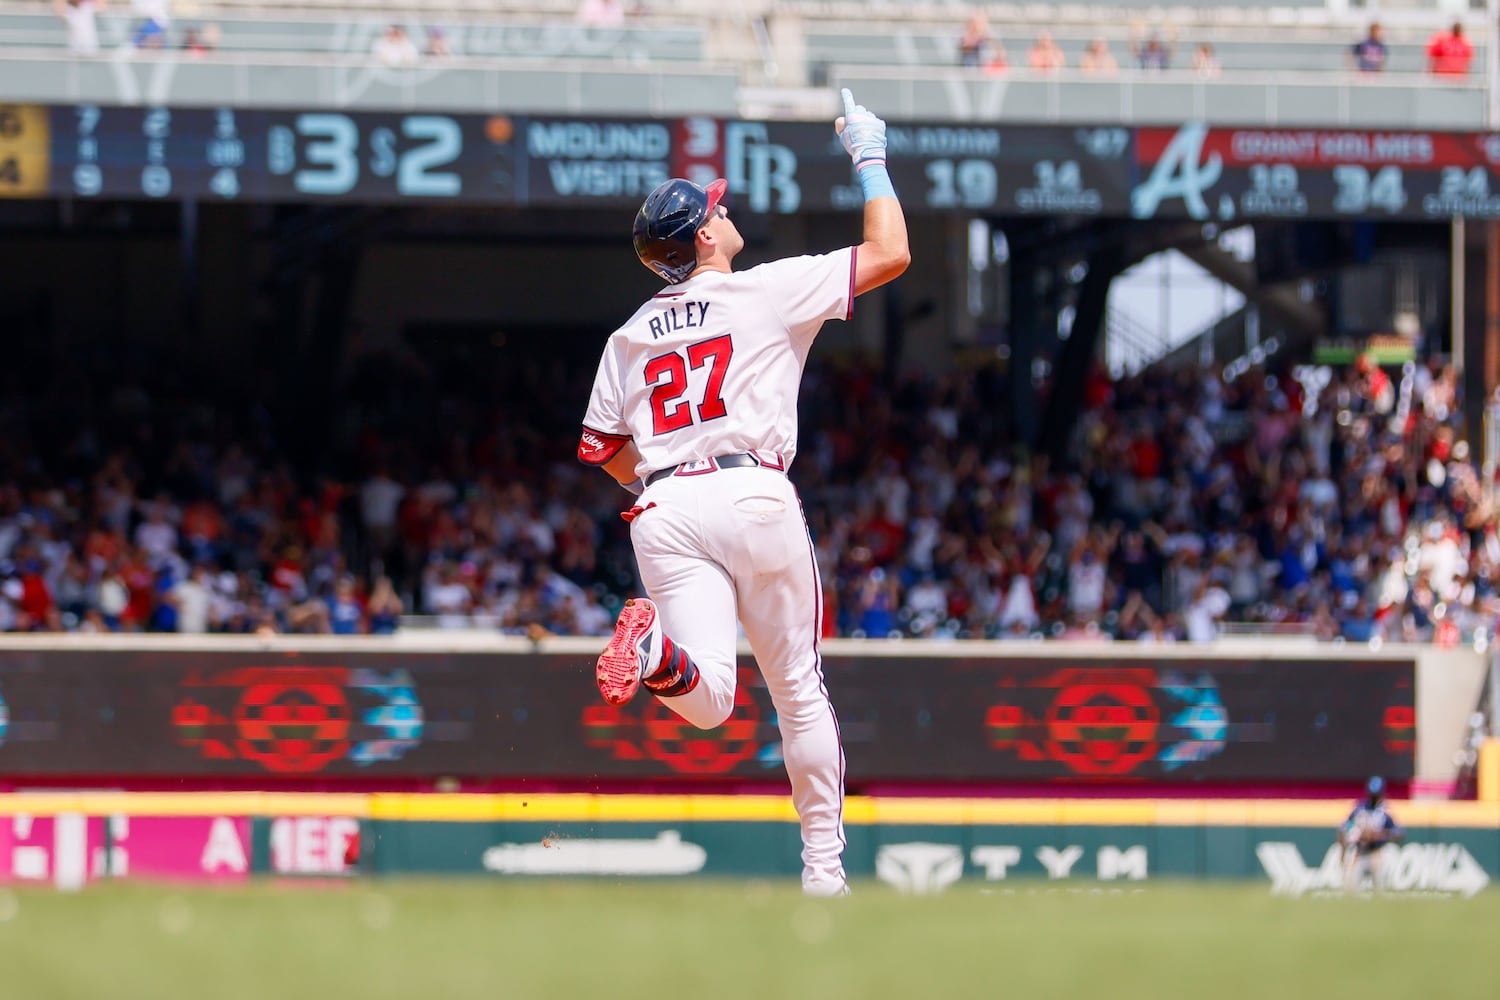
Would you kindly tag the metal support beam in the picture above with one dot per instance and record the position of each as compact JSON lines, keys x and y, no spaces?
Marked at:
{"x":1024,"y":334}
{"x":1458,"y":295}
{"x":1070,"y":375}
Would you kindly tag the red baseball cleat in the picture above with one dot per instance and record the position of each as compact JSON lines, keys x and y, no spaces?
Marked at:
{"x":633,"y":652}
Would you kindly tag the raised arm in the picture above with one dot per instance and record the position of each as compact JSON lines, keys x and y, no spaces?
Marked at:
{"x":884,"y":254}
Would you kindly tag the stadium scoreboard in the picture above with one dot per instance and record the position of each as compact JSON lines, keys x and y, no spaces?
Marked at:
{"x":1188,"y":171}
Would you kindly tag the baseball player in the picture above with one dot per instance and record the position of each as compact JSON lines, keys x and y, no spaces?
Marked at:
{"x":694,"y":409}
{"x":1368,"y":828}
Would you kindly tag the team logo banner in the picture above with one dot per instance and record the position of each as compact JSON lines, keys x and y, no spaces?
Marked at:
{"x":537,"y":715}
{"x":299,"y":719}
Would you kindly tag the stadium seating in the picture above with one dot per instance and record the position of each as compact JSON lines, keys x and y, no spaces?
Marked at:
{"x":296,"y":81}
{"x":325,"y":33}
{"x":843,"y":44}
{"x":1285,"y":63}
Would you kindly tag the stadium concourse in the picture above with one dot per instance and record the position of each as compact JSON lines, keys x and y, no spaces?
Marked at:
{"x":1345,"y":506}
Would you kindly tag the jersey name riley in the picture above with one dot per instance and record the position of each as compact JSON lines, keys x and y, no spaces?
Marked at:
{"x":681,"y":316}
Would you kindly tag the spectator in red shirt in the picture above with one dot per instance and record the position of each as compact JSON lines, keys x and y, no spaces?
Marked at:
{"x":883,"y":536}
{"x":102,"y":546}
{"x":1098,"y":390}
{"x":202,"y":527}
{"x":287,"y":575}
{"x":1145,"y":454}
{"x":1449,"y":52}
{"x":830,"y":623}
{"x":141,"y":583}
{"x":1379,"y":389}
{"x":36,"y":597}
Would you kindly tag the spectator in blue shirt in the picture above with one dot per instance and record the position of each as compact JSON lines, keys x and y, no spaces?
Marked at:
{"x":1294,"y":569}
{"x":1369,"y":53}
{"x":877,"y":605}
{"x":1153,"y":52}
{"x":345,"y":616}
{"x":384,"y":607}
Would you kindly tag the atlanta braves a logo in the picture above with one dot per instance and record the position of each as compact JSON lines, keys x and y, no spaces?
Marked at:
{"x":1180,"y":172}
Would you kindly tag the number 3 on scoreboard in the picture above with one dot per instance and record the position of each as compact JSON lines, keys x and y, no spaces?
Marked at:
{"x":668,"y":373}
{"x":25,"y":150}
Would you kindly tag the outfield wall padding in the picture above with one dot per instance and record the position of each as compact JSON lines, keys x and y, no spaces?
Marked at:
{"x":918,"y":845}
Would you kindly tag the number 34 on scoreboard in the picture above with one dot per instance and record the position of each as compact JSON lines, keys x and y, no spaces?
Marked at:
{"x":25,"y":150}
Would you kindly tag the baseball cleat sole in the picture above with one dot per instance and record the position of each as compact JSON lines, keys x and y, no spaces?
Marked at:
{"x":620,"y":667}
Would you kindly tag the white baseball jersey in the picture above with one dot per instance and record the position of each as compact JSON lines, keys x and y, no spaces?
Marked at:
{"x":712,"y":366}
{"x":707,"y":368}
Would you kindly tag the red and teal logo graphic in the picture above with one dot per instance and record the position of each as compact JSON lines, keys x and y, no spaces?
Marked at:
{"x":1103,"y":721}
{"x":646,"y":729}
{"x":299,"y":720}
{"x":1109,"y":721}
{"x":1398,"y":729}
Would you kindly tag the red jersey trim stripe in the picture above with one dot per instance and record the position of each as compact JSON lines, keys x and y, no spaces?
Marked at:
{"x":853,"y":262}
{"x":597,"y":447}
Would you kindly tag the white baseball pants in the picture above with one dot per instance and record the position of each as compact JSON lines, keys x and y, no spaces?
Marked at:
{"x":733,"y":544}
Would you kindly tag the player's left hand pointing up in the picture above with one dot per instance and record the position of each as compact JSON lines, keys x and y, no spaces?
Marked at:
{"x":862,"y":133}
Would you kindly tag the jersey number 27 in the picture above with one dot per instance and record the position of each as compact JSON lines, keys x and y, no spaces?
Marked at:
{"x":668,"y":374}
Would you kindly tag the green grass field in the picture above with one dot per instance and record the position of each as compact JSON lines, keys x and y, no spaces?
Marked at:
{"x":720,"y":940}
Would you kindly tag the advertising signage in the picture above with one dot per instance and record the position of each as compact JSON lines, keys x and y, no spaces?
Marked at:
{"x":538,"y":716}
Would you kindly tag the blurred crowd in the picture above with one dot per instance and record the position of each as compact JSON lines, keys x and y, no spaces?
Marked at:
{"x":1335,"y":501}
{"x":1338,"y":502}
{"x":1449,"y":52}
{"x":138,"y":503}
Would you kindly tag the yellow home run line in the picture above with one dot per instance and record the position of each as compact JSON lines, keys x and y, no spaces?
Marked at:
{"x":858,"y":811}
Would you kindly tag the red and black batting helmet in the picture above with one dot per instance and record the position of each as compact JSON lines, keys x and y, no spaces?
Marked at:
{"x":668,"y":223}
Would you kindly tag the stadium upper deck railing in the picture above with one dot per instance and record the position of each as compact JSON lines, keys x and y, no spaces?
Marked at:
{"x":598,"y":87}
{"x":1235,"y":47}
{"x":330,"y":33}
{"x":1251,"y":98}
{"x":304,"y":80}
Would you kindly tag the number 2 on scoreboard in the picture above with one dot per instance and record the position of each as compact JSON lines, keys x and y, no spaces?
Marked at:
{"x":668,"y":374}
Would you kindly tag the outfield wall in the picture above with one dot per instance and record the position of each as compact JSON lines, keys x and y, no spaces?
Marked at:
{"x":441,"y":706}
{"x":917,"y":845}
